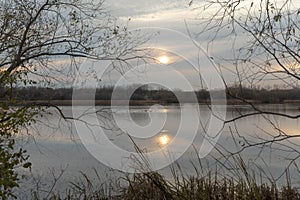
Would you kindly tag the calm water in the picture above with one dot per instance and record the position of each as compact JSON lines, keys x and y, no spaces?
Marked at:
{"x":54,"y":145}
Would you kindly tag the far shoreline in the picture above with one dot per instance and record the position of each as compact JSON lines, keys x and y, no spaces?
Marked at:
{"x":138,"y":102}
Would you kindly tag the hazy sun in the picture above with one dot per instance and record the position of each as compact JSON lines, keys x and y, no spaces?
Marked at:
{"x":163,"y":59}
{"x":164,"y":139}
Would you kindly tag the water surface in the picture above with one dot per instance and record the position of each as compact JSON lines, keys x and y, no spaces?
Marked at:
{"x":55,"y":146}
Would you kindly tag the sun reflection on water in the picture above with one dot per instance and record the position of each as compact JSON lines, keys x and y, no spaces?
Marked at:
{"x":164,"y":110}
{"x":164,"y":139}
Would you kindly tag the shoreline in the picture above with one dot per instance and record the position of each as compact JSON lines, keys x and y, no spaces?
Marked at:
{"x":138,"y":102}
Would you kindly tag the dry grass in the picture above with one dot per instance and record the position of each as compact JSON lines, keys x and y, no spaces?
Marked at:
{"x":153,"y":186}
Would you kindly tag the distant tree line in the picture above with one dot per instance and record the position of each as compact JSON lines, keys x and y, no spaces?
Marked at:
{"x":263,"y":95}
{"x":144,"y":93}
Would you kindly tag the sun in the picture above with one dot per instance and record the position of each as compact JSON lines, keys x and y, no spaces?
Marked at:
{"x":163,"y":59}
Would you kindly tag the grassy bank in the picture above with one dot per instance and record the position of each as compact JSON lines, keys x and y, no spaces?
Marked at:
{"x":154,"y":186}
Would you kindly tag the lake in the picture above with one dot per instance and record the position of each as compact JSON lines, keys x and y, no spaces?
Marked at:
{"x":55,"y":145}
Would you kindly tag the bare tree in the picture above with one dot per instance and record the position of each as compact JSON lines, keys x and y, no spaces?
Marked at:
{"x":36,"y":37}
{"x":263,"y":48}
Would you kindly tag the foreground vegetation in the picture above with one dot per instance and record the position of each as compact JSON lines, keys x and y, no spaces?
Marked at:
{"x":154,"y":186}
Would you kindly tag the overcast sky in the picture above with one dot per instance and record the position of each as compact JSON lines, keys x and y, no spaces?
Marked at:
{"x":178,"y":18}
{"x":172,"y":15}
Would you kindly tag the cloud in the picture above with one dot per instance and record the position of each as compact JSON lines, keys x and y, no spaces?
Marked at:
{"x":168,"y":13}
{"x":134,"y":8}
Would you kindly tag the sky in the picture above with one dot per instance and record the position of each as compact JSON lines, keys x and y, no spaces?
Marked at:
{"x":177,"y":21}
{"x":170,"y":18}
